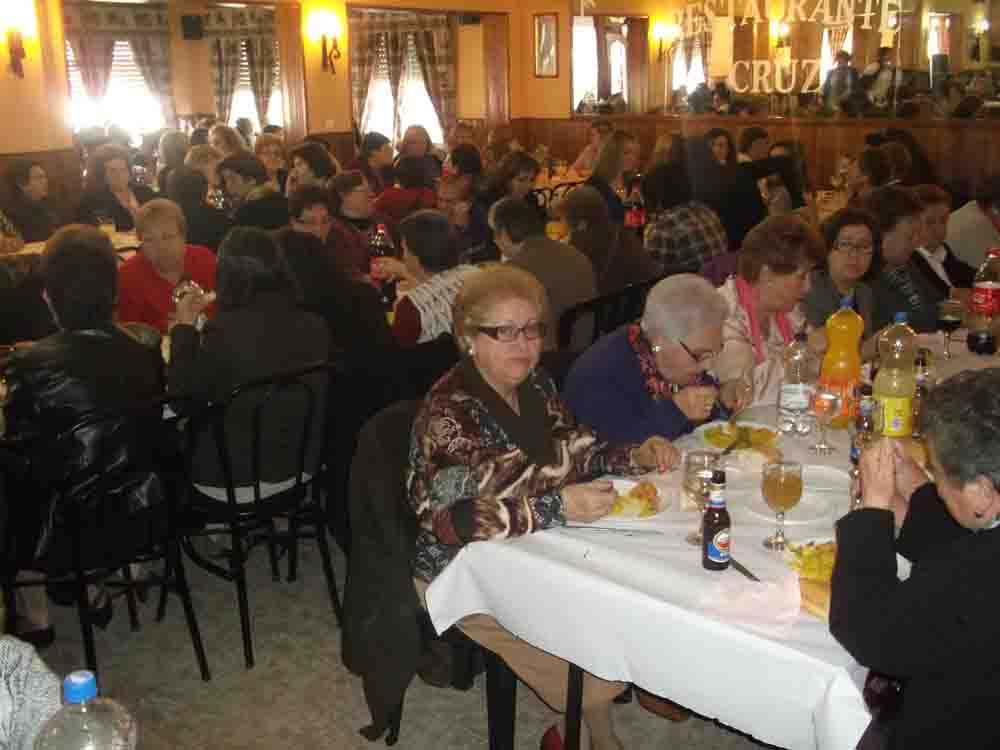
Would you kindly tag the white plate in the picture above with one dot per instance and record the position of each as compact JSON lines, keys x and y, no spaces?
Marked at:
{"x":624,"y":485}
{"x":824,"y":488}
{"x":903,"y":565}
{"x":700,"y":431}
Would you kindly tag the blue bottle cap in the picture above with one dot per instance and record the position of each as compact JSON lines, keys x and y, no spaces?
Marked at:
{"x":79,"y":687}
{"x":900,"y":317}
{"x":847,"y":300}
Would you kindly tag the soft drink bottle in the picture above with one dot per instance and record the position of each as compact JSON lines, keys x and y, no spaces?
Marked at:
{"x":841,"y":368}
{"x":86,"y":722}
{"x":797,"y":387}
{"x":896,"y":384}
{"x":380,"y":246}
{"x":984,"y":306}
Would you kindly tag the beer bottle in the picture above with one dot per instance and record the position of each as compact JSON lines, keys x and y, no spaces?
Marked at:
{"x":716,"y":526}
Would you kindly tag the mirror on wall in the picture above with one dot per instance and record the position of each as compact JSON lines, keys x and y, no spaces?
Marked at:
{"x":610,"y":61}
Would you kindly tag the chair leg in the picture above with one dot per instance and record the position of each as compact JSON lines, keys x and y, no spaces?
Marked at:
{"x":293,"y":545}
{"x":574,"y":707}
{"x":331,"y":582}
{"x":272,"y":550}
{"x":168,"y":567}
{"x":237,"y":561}
{"x":176,"y":564}
{"x":86,"y":627}
{"x":501,"y":700}
{"x":133,"y":607}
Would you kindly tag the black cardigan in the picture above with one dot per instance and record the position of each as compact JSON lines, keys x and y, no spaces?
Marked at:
{"x":34,"y":219}
{"x":103,"y":202}
{"x":936,"y":631}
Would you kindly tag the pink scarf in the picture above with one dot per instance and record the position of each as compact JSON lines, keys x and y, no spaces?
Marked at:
{"x":745,"y":295}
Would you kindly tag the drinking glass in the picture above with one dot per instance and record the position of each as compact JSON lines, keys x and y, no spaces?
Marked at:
{"x":826,"y":403}
{"x":950,"y":313}
{"x":781,"y":486}
{"x":698,"y":468}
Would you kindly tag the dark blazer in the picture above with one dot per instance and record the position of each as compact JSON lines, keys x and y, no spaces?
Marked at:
{"x":961,"y":274}
{"x":264,"y":208}
{"x":266,"y":337}
{"x":890,"y":299}
{"x":105,"y":469}
{"x":103,"y":202}
{"x":207,"y":225}
{"x":936,"y":631}
{"x":824,"y":299}
{"x":24,"y":316}
{"x":35,"y":220}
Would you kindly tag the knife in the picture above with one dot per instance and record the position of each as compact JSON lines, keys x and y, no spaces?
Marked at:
{"x":739,"y":567}
{"x":613,"y":528}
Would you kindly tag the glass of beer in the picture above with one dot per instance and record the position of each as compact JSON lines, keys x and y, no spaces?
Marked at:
{"x":950,"y":312}
{"x":781,"y":485}
{"x":698,"y":468}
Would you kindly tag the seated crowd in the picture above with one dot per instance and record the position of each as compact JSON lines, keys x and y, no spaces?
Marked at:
{"x":253,"y":261}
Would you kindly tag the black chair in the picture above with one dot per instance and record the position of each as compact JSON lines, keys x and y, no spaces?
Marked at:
{"x":291,"y":406}
{"x":146,"y":540}
{"x":607,"y":312}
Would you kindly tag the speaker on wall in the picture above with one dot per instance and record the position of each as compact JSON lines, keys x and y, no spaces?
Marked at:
{"x":192,"y":28}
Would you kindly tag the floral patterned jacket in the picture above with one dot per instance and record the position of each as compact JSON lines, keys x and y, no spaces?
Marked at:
{"x":479,"y":471}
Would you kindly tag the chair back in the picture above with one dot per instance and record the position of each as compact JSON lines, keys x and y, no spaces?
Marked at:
{"x":269,"y":430}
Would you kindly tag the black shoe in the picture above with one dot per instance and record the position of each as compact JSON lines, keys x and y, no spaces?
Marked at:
{"x":39,"y":638}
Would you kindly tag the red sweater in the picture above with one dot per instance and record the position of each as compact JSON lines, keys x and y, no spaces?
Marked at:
{"x":397,"y":203}
{"x":145,"y":297}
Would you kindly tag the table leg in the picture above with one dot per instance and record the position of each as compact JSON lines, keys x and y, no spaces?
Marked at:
{"x":501,"y":698}
{"x":574,"y":707}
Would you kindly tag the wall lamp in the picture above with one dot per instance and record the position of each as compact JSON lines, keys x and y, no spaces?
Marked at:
{"x":665,"y":32}
{"x":779,"y":32}
{"x":17,"y":19}
{"x":982,"y":26}
{"x":324,"y":27}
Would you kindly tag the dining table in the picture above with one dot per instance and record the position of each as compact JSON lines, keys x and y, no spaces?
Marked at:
{"x":123,"y":242}
{"x":630,"y":601}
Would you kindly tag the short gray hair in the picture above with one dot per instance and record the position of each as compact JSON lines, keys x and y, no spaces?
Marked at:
{"x":961,"y":418}
{"x":682,"y":305}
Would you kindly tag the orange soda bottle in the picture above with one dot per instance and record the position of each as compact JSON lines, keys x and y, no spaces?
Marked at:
{"x":841,"y":368}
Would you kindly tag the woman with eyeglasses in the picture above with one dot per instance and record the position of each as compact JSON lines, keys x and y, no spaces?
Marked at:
{"x":495,"y":453}
{"x":353,"y":221}
{"x":652,"y":377}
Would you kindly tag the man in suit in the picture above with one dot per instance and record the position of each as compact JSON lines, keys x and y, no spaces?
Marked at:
{"x":565,"y":272}
{"x":934,"y":258}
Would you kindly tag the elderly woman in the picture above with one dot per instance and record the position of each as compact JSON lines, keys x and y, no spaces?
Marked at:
{"x":852,"y":237}
{"x":429,"y":277}
{"x":109,"y":191}
{"x":900,"y":282}
{"x":249,"y":339}
{"x":353,"y":221}
{"x":146,"y":281}
{"x":496,"y":454}
{"x":615,"y":252}
{"x":936,"y":631}
{"x":416,"y":144}
{"x":651,"y":378}
{"x":763,"y":300}
{"x":311,"y":165}
{"x":29,"y":209}
{"x":270,"y":149}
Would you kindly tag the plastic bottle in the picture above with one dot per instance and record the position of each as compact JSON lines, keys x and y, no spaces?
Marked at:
{"x":984,"y":305}
{"x":841,"y":368}
{"x":797,"y":387}
{"x":863,"y":429}
{"x":895,"y":385}
{"x":380,"y":246}
{"x":86,"y":722}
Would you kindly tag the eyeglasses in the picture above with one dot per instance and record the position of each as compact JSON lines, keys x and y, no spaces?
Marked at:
{"x":854,"y":251}
{"x":702,"y":359}
{"x":508,"y":333}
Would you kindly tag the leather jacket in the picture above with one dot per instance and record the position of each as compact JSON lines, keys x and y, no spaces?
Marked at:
{"x":101,"y":379}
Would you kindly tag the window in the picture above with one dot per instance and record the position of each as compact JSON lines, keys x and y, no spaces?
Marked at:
{"x":127,"y":103}
{"x":619,"y":72}
{"x":411,"y":105}
{"x":827,"y":55}
{"x":584,"y":59}
{"x":243,"y":101}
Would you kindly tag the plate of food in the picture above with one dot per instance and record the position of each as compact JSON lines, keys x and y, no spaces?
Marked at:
{"x":721,"y":434}
{"x":813,"y":560}
{"x":636,"y":499}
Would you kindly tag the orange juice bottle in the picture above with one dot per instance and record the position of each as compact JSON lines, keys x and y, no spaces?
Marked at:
{"x":841,"y":367}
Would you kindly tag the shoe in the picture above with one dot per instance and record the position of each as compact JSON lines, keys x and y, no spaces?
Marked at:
{"x":101,"y":616}
{"x":552,"y":740}
{"x":39,"y":638}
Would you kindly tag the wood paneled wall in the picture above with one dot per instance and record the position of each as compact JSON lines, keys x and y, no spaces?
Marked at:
{"x":962,"y":152}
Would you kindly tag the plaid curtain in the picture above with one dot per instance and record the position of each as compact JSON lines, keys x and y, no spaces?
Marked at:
{"x":152,"y":56}
{"x":363,"y":54}
{"x":838,"y":35}
{"x":260,"y":57}
{"x":436,"y":55}
{"x":93,"y":54}
{"x":225,"y":74}
{"x":396,"y":48}
{"x":688,"y":49}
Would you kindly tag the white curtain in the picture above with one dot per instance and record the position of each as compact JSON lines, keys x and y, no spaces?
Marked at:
{"x":679,"y":70}
{"x":584,"y":58}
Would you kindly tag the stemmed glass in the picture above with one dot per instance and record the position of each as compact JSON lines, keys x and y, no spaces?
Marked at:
{"x":781,"y":486}
{"x":950,"y":313}
{"x":826,"y":404}
{"x":698,"y":468}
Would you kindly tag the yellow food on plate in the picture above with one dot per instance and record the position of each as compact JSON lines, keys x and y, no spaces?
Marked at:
{"x":641,"y":501}
{"x":814,"y":562}
{"x":723,"y":435}
{"x":815,"y":597}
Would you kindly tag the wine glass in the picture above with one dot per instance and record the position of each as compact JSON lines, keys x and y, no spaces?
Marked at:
{"x":950,"y":313}
{"x":826,"y":404}
{"x":698,"y":469}
{"x":781,"y":486}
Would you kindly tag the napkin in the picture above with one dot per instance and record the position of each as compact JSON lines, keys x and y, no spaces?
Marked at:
{"x":768,"y":606}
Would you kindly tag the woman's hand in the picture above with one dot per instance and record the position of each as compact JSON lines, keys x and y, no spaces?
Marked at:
{"x":191,"y":305}
{"x":736,"y":395}
{"x":389,"y":269}
{"x":696,"y":401}
{"x":879,"y":481}
{"x":588,"y":501}
{"x":656,"y":454}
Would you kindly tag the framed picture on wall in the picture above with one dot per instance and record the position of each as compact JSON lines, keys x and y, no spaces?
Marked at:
{"x":546,"y":45}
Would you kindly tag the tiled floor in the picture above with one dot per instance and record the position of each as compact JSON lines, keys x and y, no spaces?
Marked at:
{"x":299,"y":695}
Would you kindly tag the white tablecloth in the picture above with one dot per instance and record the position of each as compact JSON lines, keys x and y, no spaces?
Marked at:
{"x":631,"y":608}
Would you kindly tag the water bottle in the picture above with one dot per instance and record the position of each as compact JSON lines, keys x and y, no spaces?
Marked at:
{"x":86,"y":722}
{"x":797,"y":387}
